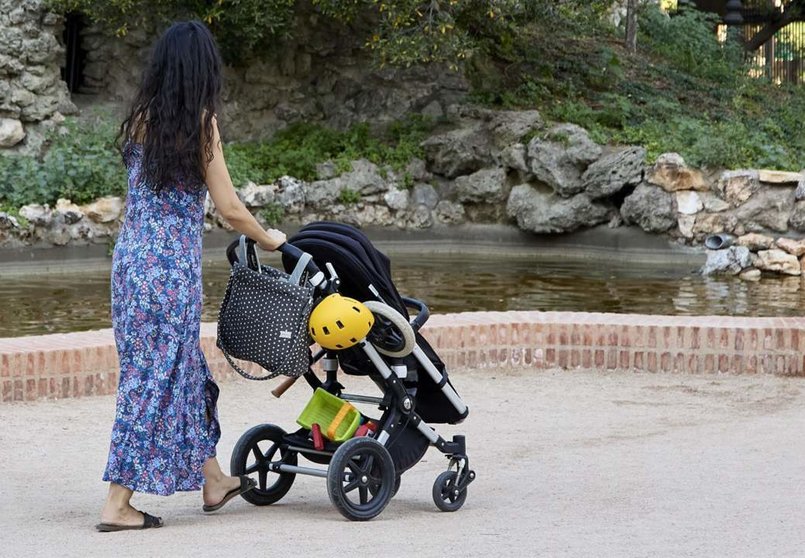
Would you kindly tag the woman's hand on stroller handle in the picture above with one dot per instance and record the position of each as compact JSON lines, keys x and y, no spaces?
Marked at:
{"x":317,"y":278}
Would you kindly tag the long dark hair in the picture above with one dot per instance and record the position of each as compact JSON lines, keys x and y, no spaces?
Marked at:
{"x":173,"y":110}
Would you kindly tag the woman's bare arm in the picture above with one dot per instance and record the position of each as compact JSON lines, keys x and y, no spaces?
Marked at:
{"x":229,"y":205}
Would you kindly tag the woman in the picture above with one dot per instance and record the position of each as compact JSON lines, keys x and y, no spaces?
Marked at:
{"x":166,"y":425}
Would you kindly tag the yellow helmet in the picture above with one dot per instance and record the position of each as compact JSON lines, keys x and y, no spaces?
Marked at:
{"x":339,"y":322}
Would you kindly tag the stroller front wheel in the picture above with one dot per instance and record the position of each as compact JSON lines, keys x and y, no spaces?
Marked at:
{"x":253,"y":455}
{"x":361,"y":478}
{"x":446,"y":496}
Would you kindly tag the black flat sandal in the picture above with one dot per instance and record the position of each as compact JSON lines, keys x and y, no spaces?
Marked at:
{"x":246,"y":484}
{"x":149,"y":522}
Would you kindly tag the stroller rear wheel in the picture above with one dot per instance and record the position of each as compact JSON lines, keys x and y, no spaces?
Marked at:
{"x":446,"y":496}
{"x":255,"y":451}
{"x":361,"y":478}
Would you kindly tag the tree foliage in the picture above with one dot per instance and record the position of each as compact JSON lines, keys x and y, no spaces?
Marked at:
{"x":398,"y":32}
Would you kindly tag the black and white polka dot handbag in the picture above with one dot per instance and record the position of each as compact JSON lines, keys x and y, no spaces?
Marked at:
{"x":264,"y":318}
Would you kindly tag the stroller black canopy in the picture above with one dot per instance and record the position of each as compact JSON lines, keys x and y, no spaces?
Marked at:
{"x":361,"y":267}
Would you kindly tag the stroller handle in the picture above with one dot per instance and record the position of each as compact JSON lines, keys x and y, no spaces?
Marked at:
{"x":295,"y":253}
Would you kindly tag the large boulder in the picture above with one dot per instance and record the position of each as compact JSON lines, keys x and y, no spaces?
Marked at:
{"x":291,"y":194}
{"x":730,"y":261}
{"x":792,"y":246}
{"x":69,"y":212}
{"x":322,"y":194}
{"x":738,"y":186}
{"x":461,"y":151}
{"x":755,"y":241}
{"x":365,"y":178}
{"x":797,"y":218}
{"x":450,"y":213}
{"x":649,"y":207}
{"x":611,"y":173}
{"x":672,"y":174}
{"x":38,"y":215}
{"x":779,"y":261}
{"x":396,"y":199}
{"x":487,"y":185}
{"x":11,"y":132}
{"x":104,"y":210}
{"x":547,"y":212}
{"x":253,"y":195}
{"x":512,"y":126}
{"x":767,"y":209}
{"x":688,"y":202}
{"x":424,"y":194}
{"x":560,"y":158}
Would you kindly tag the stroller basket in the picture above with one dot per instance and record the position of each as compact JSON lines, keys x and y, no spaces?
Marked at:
{"x":338,"y":419}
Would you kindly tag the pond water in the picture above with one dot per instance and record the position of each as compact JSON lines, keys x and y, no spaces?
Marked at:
{"x":51,"y":303}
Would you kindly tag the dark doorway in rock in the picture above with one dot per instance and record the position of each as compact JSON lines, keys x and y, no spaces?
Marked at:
{"x":73,"y":70}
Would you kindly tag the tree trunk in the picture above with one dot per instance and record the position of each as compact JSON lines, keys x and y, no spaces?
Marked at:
{"x":631,"y":25}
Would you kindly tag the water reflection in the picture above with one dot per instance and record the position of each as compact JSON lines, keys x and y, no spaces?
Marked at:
{"x":448,"y":283}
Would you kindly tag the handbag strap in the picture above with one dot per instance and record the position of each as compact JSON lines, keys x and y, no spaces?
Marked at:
{"x":299,"y":269}
{"x":243,"y":254}
{"x":242,"y":372}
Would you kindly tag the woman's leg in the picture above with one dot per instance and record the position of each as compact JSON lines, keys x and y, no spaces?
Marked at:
{"x":216,"y":483}
{"x":117,"y":510}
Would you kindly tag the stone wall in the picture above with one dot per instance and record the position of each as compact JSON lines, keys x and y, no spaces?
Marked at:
{"x":508,"y":167}
{"x":31,"y":89}
{"x":321,"y":75}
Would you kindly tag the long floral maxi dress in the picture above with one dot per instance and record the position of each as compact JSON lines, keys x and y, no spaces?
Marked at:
{"x":166,"y":422}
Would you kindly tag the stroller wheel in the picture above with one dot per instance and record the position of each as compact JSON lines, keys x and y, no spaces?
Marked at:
{"x":256,"y":449}
{"x":446,"y":497}
{"x":396,"y":487}
{"x":361,"y":478}
{"x":391,"y":333}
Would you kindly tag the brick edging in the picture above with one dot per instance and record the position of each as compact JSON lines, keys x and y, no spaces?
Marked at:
{"x":85,"y":363}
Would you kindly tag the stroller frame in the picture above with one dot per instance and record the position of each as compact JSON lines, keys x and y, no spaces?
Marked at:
{"x":363,"y":463}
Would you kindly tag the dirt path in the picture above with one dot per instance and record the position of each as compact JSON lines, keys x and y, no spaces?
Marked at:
{"x":569,"y":464}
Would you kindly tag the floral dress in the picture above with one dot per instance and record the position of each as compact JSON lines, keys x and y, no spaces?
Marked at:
{"x":166,"y":422}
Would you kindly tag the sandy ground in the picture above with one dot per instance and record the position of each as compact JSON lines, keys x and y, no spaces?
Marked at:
{"x":569,"y":464}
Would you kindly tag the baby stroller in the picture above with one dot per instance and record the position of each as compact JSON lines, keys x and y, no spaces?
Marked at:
{"x":363,"y":472}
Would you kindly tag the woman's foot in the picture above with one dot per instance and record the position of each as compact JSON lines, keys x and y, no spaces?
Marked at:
{"x":126,"y":515}
{"x":216,"y":489}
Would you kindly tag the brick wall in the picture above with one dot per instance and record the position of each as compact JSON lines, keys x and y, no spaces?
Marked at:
{"x":85,"y":363}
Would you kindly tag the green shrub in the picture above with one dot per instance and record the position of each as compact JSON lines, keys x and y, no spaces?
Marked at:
{"x":273,"y":214}
{"x":349,"y":197}
{"x":81,"y":164}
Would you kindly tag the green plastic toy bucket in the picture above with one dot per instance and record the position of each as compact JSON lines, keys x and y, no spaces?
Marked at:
{"x":337,"y":418}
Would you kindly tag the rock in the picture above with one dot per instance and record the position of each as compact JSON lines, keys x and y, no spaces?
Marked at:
{"x":38,"y":215}
{"x":322,"y":194}
{"x":751,"y":274}
{"x":458,"y":152}
{"x":450,"y":213}
{"x":777,"y":260}
{"x":672,"y":174}
{"x":688,"y":202}
{"x":326,"y":170}
{"x":396,"y":199}
{"x":69,"y":211}
{"x":799,"y":193}
{"x":685,"y":224}
{"x":611,"y":173}
{"x":797,"y":219}
{"x":511,"y":126}
{"x":253,"y":195}
{"x":729,"y":261}
{"x":424,"y":194}
{"x":514,"y":157}
{"x":547,"y":212}
{"x":484,"y":186}
{"x":291,"y":194}
{"x":11,"y":132}
{"x":767,"y":209}
{"x":755,"y":241}
{"x":364,"y":178}
{"x":104,"y":210}
{"x":712,"y":203}
{"x":418,"y":170}
{"x":738,"y":186}
{"x":8,"y":222}
{"x":649,"y":207}
{"x":420,"y":218}
{"x":561,"y":157}
{"x":795,"y":247}
{"x":707,"y":224}
{"x":779,"y":177}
